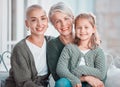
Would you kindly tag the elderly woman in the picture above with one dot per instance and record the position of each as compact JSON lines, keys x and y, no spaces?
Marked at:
{"x":61,"y":18}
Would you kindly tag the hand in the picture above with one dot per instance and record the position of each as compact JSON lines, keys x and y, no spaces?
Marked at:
{"x":98,"y":83}
{"x":93,"y":81}
{"x":78,"y":85}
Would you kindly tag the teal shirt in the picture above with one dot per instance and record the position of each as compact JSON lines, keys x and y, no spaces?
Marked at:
{"x":54,"y":50}
{"x":68,"y":64}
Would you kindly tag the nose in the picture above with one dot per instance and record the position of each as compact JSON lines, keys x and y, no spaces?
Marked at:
{"x":39,"y":23}
{"x":63,"y":23}
{"x":82,"y":30}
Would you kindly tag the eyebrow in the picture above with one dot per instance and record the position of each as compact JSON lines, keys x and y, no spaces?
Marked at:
{"x":40,"y":16}
{"x":43,"y":16}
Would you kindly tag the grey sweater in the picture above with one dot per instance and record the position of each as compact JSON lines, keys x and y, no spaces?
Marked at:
{"x":23,"y":71}
{"x":68,"y":64}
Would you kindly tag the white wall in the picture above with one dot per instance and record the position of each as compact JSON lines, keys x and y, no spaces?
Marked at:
{"x":20,"y":19}
{"x":3,"y":24}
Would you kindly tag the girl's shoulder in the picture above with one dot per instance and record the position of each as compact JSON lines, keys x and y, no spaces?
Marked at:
{"x":71,"y":46}
{"x":98,"y":50}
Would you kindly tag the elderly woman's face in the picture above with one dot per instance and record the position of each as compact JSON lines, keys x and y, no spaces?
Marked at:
{"x":62,"y":22}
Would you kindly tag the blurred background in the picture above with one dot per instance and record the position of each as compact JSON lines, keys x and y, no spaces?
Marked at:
{"x":12,"y":26}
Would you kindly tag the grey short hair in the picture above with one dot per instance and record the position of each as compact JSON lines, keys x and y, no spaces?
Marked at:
{"x":60,"y":7}
{"x":31,"y":8}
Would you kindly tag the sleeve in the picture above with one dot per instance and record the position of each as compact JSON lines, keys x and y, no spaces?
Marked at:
{"x":62,"y":67}
{"x":99,"y":69}
{"x":21,"y":71}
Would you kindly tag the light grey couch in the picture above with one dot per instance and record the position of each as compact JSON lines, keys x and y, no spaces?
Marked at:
{"x":3,"y":76}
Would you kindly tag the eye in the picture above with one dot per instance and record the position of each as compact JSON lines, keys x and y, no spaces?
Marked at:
{"x":44,"y":18}
{"x":78,"y":28}
{"x":33,"y":20}
{"x":86,"y":27}
{"x":67,"y":18}
{"x":57,"y":21}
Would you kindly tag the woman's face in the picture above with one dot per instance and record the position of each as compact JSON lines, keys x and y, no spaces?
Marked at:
{"x":37,"y":22}
{"x":63,"y":23}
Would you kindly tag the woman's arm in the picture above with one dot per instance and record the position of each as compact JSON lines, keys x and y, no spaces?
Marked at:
{"x":62,"y":67}
{"x":21,"y":71}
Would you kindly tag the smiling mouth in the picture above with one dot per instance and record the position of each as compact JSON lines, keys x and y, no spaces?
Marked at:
{"x":82,"y":34}
{"x":64,"y":29}
{"x":39,"y":28}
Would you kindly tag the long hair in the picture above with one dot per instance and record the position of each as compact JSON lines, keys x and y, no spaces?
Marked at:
{"x":95,"y":40}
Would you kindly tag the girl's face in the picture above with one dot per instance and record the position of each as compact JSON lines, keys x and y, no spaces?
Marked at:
{"x":63,"y":23}
{"x":37,"y":22}
{"x":84,"y":29}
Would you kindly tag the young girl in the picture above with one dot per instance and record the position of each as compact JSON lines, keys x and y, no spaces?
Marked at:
{"x":84,"y":58}
{"x":28,"y":59}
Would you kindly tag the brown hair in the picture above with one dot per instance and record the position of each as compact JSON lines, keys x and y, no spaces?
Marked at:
{"x":95,"y":40}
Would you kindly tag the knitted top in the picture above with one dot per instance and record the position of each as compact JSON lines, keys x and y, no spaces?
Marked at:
{"x":23,"y":70}
{"x":68,"y":63}
{"x":54,"y":50}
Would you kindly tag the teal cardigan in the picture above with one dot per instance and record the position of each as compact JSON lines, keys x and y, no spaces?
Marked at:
{"x":54,"y":50}
{"x":68,"y":64}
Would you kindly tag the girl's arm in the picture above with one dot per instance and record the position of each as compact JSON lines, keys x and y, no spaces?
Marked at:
{"x":62,"y":67}
{"x":93,"y":81}
{"x":99,"y":69}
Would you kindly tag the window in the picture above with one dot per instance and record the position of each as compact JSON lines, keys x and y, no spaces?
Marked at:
{"x":13,"y":11}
